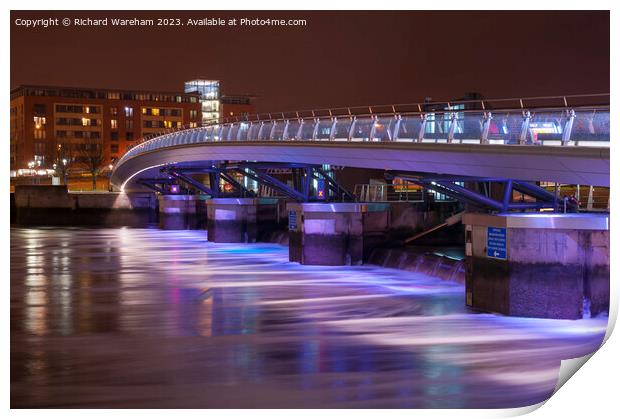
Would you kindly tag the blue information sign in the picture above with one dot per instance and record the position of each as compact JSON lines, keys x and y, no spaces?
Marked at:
{"x":496,"y":242}
{"x":292,"y":220}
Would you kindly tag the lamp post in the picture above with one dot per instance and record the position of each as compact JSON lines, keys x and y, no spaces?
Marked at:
{"x":110,"y":166}
{"x":64,"y":172}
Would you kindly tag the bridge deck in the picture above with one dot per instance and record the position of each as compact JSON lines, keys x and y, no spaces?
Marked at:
{"x":573,"y":165}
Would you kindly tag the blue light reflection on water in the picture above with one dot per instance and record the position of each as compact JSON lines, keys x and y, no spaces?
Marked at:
{"x":176,"y":321}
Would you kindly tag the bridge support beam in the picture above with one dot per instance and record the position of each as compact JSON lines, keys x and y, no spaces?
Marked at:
{"x":538,"y":265}
{"x":332,"y":234}
{"x":240,"y":220}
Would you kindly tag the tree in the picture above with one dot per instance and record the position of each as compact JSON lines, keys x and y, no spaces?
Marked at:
{"x":63,"y":157}
{"x":92,"y":157}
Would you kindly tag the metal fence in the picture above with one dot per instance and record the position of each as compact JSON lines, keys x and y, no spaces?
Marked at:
{"x":590,"y":198}
{"x":550,"y":121}
{"x":403,"y":192}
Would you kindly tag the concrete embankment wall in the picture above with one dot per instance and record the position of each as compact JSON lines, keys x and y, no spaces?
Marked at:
{"x":55,"y":206}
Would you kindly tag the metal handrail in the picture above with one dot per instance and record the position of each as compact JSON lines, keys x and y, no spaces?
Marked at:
{"x":377,"y":114}
{"x":522,"y":102}
{"x":567,"y":113}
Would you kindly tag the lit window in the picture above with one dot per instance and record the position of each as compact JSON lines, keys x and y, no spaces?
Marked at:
{"x":39,"y":121}
{"x":155,"y":111}
{"x":85,"y":122}
{"x":128,"y":111}
{"x":114,"y":123}
{"x":143,"y":111}
{"x":167,"y":124}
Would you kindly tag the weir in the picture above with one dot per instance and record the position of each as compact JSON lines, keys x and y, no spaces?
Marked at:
{"x":545,"y":265}
{"x":483,"y":177}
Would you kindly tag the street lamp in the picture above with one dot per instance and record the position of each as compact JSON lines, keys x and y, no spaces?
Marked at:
{"x":110,"y":166}
{"x":64,"y":172}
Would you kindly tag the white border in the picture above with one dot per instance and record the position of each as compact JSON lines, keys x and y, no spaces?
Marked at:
{"x":593,"y":394}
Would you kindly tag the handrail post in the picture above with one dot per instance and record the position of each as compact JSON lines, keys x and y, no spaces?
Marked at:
{"x":352,"y":127}
{"x":524,"y":127}
{"x":260,"y":130}
{"x":285,"y":132}
{"x":332,"y":132}
{"x":229,"y":134}
{"x":315,"y":130}
{"x":273,"y":130}
{"x":488,"y":116}
{"x":301,"y":124}
{"x":568,"y":128}
{"x":396,"y":127}
{"x":373,"y":128}
{"x":453,"y":121}
{"x":239,"y":131}
{"x":422,"y":128}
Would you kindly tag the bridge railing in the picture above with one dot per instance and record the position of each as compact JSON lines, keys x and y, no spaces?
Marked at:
{"x":560,"y":125}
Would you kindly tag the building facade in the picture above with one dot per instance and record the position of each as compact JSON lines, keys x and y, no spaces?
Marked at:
{"x":217,"y":107}
{"x":236,"y":106}
{"x":52,"y":123}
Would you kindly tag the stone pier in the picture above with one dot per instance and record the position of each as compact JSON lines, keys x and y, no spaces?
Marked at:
{"x":182,"y":204}
{"x":240,"y":220}
{"x":182,"y":212}
{"x":333,"y":233}
{"x":538,"y":265}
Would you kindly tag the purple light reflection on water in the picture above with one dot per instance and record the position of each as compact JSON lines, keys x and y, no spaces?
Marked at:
{"x":152,"y":318}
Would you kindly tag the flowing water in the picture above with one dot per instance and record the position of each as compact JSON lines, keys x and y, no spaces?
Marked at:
{"x":151,"y":318}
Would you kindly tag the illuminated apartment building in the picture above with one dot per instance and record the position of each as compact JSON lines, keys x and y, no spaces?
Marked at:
{"x":44,"y":119}
{"x":217,"y":106}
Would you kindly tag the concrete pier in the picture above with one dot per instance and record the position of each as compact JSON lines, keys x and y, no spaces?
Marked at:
{"x":240,"y":220}
{"x":333,"y":233}
{"x":182,"y":212}
{"x":182,"y":204}
{"x":538,"y":265}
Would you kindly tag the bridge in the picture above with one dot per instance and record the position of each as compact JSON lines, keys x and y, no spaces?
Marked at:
{"x":567,"y":142}
{"x":459,"y":149}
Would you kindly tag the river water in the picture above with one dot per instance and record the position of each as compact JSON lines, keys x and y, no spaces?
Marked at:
{"x":145,"y":318}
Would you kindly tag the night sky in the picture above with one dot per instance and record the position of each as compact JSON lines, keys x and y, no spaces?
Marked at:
{"x":339,"y":58}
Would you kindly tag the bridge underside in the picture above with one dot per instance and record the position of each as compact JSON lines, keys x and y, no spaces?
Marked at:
{"x":586,"y":166}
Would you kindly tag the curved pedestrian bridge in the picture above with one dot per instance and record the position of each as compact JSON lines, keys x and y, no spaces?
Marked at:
{"x":506,"y":138}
